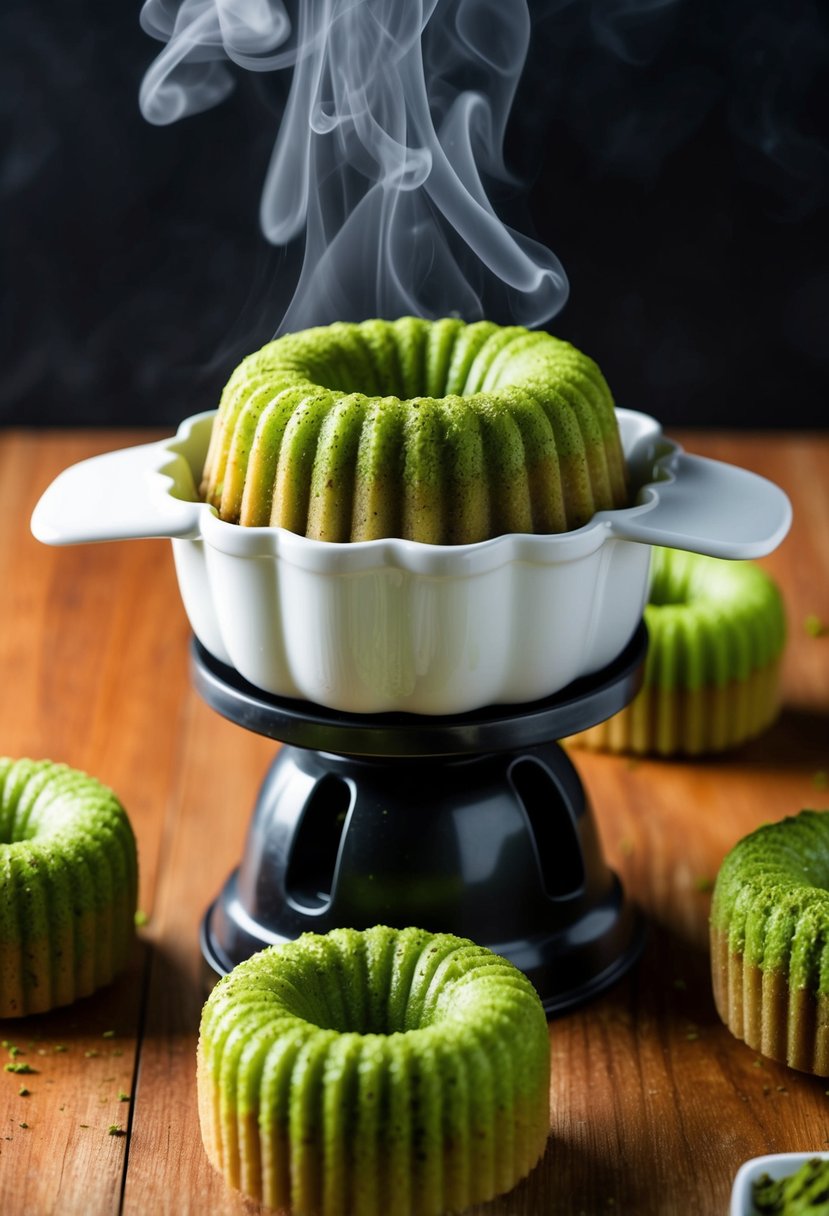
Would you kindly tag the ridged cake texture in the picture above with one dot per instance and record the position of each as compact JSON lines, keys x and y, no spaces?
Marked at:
{"x":377,"y":1073}
{"x":770,"y":941}
{"x":68,"y":886}
{"x":432,"y":431}
{"x":716,"y":632}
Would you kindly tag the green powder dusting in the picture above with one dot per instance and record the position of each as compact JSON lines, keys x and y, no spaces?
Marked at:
{"x":814,"y":626}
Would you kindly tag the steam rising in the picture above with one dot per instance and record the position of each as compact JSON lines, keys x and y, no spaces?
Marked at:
{"x":392,"y":132}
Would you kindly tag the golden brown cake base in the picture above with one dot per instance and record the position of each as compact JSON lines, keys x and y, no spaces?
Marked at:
{"x":690,"y":722}
{"x":789,"y":1025}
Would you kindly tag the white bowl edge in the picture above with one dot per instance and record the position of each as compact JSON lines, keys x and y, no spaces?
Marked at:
{"x":776,"y":1165}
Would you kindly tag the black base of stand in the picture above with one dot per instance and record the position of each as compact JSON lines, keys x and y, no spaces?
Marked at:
{"x":476,"y":825}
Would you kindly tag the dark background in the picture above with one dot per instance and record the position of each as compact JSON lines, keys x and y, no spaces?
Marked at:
{"x":673,"y":157}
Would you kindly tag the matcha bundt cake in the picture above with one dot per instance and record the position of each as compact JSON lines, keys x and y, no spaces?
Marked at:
{"x":770,"y":941}
{"x":432,"y":431}
{"x":716,"y":631}
{"x":378,"y":1073}
{"x":68,"y":878}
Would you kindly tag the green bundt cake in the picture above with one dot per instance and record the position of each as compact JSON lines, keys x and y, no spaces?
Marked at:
{"x":770,"y":941}
{"x":68,"y":877}
{"x":378,"y":1073}
{"x":432,"y":431}
{"x":716,"y":632}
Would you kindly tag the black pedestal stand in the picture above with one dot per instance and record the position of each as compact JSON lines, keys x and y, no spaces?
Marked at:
{"x":475,"y":824}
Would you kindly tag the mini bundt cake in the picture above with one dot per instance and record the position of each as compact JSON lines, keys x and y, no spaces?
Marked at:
{"x":770,"y":941}
{"x":378,"y":1073}
{"x":68,"y":886}
{"x":432,"y":431}
{"x":716,"y":632}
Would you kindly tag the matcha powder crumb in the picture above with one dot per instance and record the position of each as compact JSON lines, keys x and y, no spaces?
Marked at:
{"x":814,"y":626}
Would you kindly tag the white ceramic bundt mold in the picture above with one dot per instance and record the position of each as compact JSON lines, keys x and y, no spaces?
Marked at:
{"x":390,"y":625}
{"x":776,"y":1165}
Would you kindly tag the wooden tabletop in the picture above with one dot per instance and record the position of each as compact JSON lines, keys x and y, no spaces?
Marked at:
{"x":653,"y":1104}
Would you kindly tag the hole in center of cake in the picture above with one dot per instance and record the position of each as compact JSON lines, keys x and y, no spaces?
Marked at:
{"x":382,"y":1022}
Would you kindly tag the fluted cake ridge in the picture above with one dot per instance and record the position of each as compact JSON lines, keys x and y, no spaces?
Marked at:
{"x":435,"y":431}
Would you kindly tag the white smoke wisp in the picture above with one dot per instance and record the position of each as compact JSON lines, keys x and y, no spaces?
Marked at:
{"x":392,"y":132}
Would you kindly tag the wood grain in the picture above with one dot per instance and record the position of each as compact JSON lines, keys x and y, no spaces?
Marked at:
{"x":653,"y":1103}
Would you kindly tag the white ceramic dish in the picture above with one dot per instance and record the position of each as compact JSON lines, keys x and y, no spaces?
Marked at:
{"x":776,"y":1165}
{"x":389,"y":625}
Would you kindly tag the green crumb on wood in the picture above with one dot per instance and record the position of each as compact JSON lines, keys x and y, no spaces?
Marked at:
{"x":692,"y":1036}
{"x":83,"y":1125}
{"x":24,"y":1091}
{"x":22,"y":1067}
{"x":821,"y":780}
{"x":759,"y":1062}
{"x":90,"y":1055}
{"x":115,"y":1129}
{"x":15,"y":1051}
{"x":24,"y":1125}
{"x":108,"y":1034}
{"x":59,"y":1047}
{"x":141,"y":918}
{"x":814,"y":626}
{"x":704,"y":883}
{"x":122,"y":1097}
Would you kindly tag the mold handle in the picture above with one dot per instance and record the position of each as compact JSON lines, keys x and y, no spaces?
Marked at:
{"x":708,"y":507}
{"x":123,"y":495}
